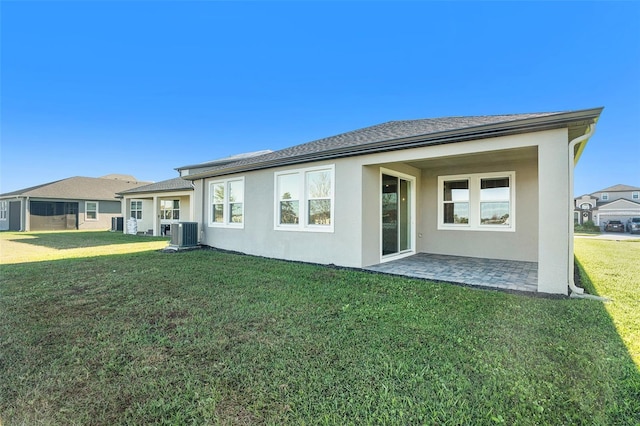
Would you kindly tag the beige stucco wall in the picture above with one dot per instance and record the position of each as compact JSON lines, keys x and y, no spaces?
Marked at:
{"x":151,"y":210}
{"x":555,"y":208}
{"x":106,"y":211}
{"x":538,"y":159}
{"x":522,"y":244}
{"x":259,"y":236}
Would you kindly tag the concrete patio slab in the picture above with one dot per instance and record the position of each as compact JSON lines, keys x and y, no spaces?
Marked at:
{"x":494,"y":273}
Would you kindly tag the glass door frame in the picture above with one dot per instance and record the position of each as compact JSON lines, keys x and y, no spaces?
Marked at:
{"x":412,"y":215}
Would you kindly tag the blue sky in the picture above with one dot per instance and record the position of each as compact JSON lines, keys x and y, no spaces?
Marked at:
{"x":92,"y":88}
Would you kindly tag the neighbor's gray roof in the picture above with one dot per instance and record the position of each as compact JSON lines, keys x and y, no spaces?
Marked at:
{"x":619,"y":188}
{"x":77,"y":188}
{"x":175,"y":184}
{"x":395,"y":135}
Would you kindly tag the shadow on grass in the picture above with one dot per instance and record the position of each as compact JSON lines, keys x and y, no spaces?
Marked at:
{"x":581,"y":278}
{"x":78,"y":239}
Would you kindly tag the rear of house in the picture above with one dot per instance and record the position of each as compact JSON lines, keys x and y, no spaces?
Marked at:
{"x":74,"y":203}
{"x":156,"y":207}
{"x":484,"y":187}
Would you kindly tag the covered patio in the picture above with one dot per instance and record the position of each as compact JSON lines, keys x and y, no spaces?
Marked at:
{"x":494,"y":273}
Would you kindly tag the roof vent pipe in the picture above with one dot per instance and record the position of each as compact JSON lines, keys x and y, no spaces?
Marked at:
{"x":572,"y":159}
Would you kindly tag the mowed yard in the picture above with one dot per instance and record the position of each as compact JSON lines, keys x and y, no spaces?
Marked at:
{"x":117,"y":332}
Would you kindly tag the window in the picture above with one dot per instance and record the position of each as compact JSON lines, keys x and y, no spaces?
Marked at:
{"x":227,"y":203}
{"x":91,"y":210}
{"x":169,"y":209}
{"x":605,"y":196}
{"x":3,"y":210}
{"x":136,"y":209}
{"x":456,"y":201}
{"x":482,"y":202}
{"x":585,"y":206}
{"x":304,"y":199}
{"x":495,"y":197}
{"x":635,"y":195}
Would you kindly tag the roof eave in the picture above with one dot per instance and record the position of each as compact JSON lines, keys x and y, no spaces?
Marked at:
{"x":155,"y":191}
{"x":527,"y":125}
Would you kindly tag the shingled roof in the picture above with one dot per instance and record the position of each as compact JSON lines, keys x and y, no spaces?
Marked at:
{"x":77,"y":188}
{"x":175,"y":184}
{"x":620,"y":188}
{"x":395,"y":135}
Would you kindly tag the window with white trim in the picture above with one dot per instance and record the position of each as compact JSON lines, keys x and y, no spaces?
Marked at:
{"x":635,"y":195}
{"x":305,"y":199}
{"x":480,"y":202}
{"x":3,"y":210}
{"x":227,"y":203}
{"x":136,"y":209}
{"x":91,"y":210}
{"x":605,"y":196}
{"x":169,"y":209}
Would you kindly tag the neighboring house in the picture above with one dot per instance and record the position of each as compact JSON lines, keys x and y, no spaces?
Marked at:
{"x":484,"y":186}
{"x":157,"y":206}
{"x":72,"y":203}
{"x":618,"y":202}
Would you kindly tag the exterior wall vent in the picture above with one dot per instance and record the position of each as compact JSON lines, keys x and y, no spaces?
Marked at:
{"x":184,"y":234}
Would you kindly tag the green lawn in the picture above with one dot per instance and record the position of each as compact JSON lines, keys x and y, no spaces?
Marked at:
{"x":205,"y":337}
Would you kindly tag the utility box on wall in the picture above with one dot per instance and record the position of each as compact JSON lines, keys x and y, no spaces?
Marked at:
{"x":184,"y":234}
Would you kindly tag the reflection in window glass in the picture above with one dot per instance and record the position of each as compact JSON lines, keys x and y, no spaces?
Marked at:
{"x":304,"y":199}
{"x":494,"y":201}
{"x":319,"y":196}
{"x":217,"y":205}
{"x":236,"y":201}
{"x":288,"y":190}
{"x":456,"y":202}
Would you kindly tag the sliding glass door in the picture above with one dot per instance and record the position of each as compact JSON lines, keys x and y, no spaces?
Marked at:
{"x":396,"y":204}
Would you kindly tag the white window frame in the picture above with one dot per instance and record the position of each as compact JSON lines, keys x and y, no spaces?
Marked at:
{"x":132,"y":210}
{"x":86,"y":210}
{"x":3,"y":210}
{"x":635,"y":195}
{"x":605,"y":196}
{"x":474,"y":224}
{"x":225,"y":204}
{"x":303,"y":201}
{"x":172,"y":209}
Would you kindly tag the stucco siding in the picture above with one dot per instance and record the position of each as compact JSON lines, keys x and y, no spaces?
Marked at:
{"x":538,"y":161}
{"x":259,"y":236}
{"x":522,"y":244}
{"x":554,"y":213}
{"x":106,"y":211}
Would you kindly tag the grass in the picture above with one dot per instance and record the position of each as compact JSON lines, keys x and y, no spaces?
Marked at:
{"x":39,"y":246}
{"x":612,"y":269}
{"x":207,"y":337}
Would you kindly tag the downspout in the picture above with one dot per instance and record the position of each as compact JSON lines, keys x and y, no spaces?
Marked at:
{"x":202,"y":198}
{"x":572,"y":159}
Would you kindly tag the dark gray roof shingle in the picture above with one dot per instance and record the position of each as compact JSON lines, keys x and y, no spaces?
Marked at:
{"x":175,"y":184}
{"x":398,"y":135}
{"x":77,"y":188}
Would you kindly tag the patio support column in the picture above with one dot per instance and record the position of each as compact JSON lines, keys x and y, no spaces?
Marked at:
{"x":156,"y":216}
{"x":26,"y":212}
{"x":553,"y":211}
